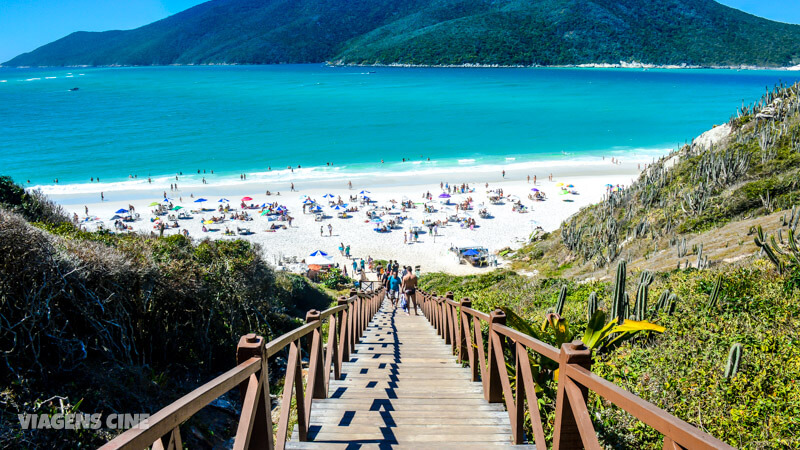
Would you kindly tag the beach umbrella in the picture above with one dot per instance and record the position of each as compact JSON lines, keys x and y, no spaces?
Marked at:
{"x":308,"y":200}
{"x":559,"y":184}
{"x":570,"y":186}
{"x":122,"y":211}
{"x":377,"y":220}
{"x":339,"y":207}
{"x":471,"y":252}
{"x":167,"y":200}
{"x":609,"y":185}
{"x":223,"y":200}
{"x":535,"y":190}
{"x":208,"y":222}
{"x":247,"y":199}
{"x":265,"y":212}
{"x":177,"y":208}
{"x":280,"y":208}
{"x":154,"y":204}
{"x":444,"y":195}
{"x":318,"y":253}
{"x":328,"y":196}
{"x":365,"y":192}
{"x":200,"y":200}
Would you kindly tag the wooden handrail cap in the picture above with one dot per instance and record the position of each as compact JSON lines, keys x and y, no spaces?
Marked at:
{"x":497,"y":316}
{"x":466,"y":302}
{"x":312,"y":315}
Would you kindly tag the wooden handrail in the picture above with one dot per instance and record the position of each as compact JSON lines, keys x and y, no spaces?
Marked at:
{"x":346,"y":323}
{"x":462,"y":326}
{"x":179,"y":411}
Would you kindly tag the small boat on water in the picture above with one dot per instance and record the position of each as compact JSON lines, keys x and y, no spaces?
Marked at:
{"x":74,"y":89}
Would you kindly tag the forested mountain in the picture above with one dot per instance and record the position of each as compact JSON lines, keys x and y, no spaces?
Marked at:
{"x":504,"y":32}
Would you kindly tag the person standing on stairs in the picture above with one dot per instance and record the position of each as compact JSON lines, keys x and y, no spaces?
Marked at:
{"x":409,"y":286}
{"x":394,"y":288}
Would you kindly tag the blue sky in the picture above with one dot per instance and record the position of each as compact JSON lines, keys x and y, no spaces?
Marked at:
{"x":28,"y":24}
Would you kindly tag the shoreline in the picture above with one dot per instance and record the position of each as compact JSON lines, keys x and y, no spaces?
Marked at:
{"x":620,"y":65}
{"x":334,"y":177}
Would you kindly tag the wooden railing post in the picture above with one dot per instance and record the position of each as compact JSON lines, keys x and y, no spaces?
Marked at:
{"x":332,"y":349}
{"x":492,"y":387}
{"x":316,"y":373}
{"x":465,"y":351}
{"x":566,"y":434}
{"x":344,"y":333}
{"x":255,"y":424}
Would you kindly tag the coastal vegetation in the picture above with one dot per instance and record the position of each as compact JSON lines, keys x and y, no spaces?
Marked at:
{"x":748,"y":401}
{"x":99,"y":323}
{"x":442,"y":32}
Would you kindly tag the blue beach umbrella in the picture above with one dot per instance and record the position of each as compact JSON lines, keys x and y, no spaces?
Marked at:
{"x":535,"y":190}
{"x":318,"y":253}
{"x":308,"y":200}
{"x":223,"y":200}
{"x":200,"y":200}
{"x":377,"y":220}
{"x":167,"y":200}
{"x":339,"y":207}
{"x":471,"y":252}
{"x":122,"y":211}
{"x":365,"y":192}
{"x":328,"y":196}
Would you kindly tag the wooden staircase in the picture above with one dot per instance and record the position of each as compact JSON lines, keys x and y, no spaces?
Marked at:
{"x":403,"y":388}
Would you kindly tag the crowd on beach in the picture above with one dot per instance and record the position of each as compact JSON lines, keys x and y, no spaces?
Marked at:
{"x":435,"y":214}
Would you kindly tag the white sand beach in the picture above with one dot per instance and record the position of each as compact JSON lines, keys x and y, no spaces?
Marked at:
{"x":506,"y":227}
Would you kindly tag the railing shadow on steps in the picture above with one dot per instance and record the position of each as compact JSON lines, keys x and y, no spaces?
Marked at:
{"x":346,"y":324}
{"x":461,"y":327}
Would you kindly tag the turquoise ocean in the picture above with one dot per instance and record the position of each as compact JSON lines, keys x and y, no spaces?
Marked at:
{"x":159,"y":121}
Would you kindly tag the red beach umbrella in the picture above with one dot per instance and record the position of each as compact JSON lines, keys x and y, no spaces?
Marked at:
{"x":247,"y":199}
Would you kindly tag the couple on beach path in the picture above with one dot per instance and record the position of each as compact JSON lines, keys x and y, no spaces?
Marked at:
{"x":408,"y":284}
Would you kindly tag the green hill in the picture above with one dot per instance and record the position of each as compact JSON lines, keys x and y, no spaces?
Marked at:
{"x":545,"y":32}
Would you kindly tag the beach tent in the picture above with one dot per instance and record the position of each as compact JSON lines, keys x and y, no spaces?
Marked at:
{"x":320,"y":258}
{"x":200,"y":200}
{"x":122,"y":211}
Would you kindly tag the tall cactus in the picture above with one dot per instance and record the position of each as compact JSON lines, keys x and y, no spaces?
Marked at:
{"x":645,"y":280}
{"x":734,"y":358}
{"x":617,"y":305}
{"x":761,"y":242}
{"x":592,"y":306}
{"x":562,"y":297}
{"x":714,"y":299}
